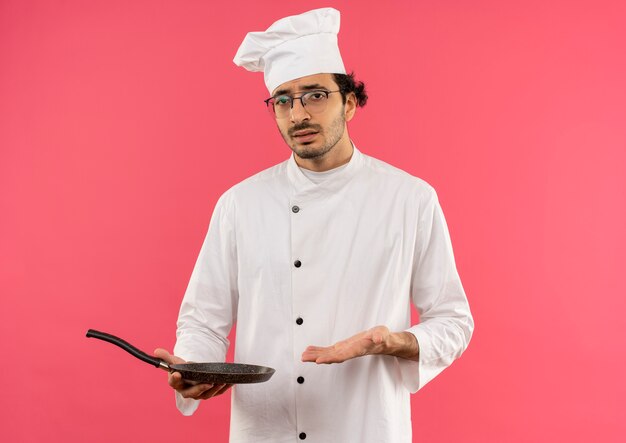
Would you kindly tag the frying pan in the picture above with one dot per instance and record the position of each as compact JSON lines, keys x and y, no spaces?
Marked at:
{"x":216,"y":373}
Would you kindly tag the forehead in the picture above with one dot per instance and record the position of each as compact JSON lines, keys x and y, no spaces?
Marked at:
{"x":316,"y":81}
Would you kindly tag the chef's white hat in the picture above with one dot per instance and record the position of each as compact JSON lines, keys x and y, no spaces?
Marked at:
{"x":294,"y":47}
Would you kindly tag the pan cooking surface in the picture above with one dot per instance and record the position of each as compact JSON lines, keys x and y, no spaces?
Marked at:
{"x":223,"y":372}
{"x":222,"y":368}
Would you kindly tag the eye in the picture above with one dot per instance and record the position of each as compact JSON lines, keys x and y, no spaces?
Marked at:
{"x":316,"y":96}
{"x":282,"y":100}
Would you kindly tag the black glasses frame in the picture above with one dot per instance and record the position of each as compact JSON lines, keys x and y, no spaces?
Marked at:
{"x":299,"y":97}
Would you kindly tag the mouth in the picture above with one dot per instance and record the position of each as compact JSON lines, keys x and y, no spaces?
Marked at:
{"x":304,"y":136}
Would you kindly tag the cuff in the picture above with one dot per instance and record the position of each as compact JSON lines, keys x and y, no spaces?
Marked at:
{"x":409,"y":369}
{"x":415,"y":374}
{"x":186,"y":406}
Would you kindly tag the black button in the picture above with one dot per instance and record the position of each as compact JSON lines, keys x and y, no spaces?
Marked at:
{"x":295,"y":209}
{"x":302,"y":435}
{"x":297,"y":263}
{"x":300,"y":380}
{"x":299,"y":320}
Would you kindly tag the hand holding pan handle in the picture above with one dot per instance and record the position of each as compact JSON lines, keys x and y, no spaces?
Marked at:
{"x":223,"y":373}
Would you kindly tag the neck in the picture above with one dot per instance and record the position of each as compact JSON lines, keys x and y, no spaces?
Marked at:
{"x":339,"y":155}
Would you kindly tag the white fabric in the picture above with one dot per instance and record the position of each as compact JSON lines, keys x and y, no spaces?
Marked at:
{"x":371,"y":240}
{"x":294,"y":47}
{"x":318,"y":177}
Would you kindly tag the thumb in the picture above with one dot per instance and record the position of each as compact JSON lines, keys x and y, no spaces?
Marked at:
{"x":379,"y":335}
{"x":377,"y":338}
{"x":167,"y":357}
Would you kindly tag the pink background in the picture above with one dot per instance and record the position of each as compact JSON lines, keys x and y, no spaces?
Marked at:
{"x":122,"y":122}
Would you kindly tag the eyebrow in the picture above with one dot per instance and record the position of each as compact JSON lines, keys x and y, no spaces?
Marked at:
{"x":303,"y":88}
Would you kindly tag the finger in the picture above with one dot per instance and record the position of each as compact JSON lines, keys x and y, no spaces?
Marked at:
{"x":309,"y":357}
{"x":331,"y":357}
{"x":195,"y":391}
{"x":316,"y":348}
{"x":212,"y":392}
{"x":367,"y":335}
{"x":324,"y":356}
{"x":341,"y":355}
{"x":330,"y":354}
{"x":382,"y":333}
{"x":167,"y":357}
{"x":377,"y":337}
{"x":216,"y":390}
{"x":327,"y":360}
{"x":175,"y":380}
{"x":312,"y":353}
{"x":224,"y":389}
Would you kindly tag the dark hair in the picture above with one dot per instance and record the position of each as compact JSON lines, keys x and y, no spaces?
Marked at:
{"x":348,"y":84}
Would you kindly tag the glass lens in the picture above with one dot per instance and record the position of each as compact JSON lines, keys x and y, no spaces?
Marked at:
{"x":281,"y":105}
{"x":314,"y":102}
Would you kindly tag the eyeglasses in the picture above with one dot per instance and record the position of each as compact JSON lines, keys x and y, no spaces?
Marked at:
{"x":314,"y":102}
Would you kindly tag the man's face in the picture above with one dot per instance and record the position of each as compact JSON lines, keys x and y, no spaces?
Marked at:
{"x":312,"y":135}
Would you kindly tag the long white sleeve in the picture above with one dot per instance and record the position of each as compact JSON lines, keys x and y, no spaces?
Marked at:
{"x":446,"y":323}
{"x":209,"y":307}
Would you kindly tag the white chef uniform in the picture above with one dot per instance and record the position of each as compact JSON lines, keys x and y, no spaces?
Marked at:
{"x":295,"y":263}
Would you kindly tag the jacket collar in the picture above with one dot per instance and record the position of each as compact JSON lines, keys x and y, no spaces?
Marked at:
{"x":305,"y":189}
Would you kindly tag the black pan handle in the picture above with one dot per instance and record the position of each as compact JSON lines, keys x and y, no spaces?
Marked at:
{"x":154,"y":361}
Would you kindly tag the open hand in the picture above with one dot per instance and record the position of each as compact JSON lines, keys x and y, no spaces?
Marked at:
{"x":373,"y":341}
{"x":201,"y":391}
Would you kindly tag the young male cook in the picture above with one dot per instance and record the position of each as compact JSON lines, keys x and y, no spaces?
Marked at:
{"x":317,"y":260}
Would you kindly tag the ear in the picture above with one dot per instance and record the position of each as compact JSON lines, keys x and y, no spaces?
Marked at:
{"x":350,"y":106}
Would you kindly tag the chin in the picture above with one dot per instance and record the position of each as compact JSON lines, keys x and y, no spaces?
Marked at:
{"x":308,"y":152}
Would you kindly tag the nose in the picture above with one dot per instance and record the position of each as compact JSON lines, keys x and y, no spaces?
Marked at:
{"x":298,"y":112}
